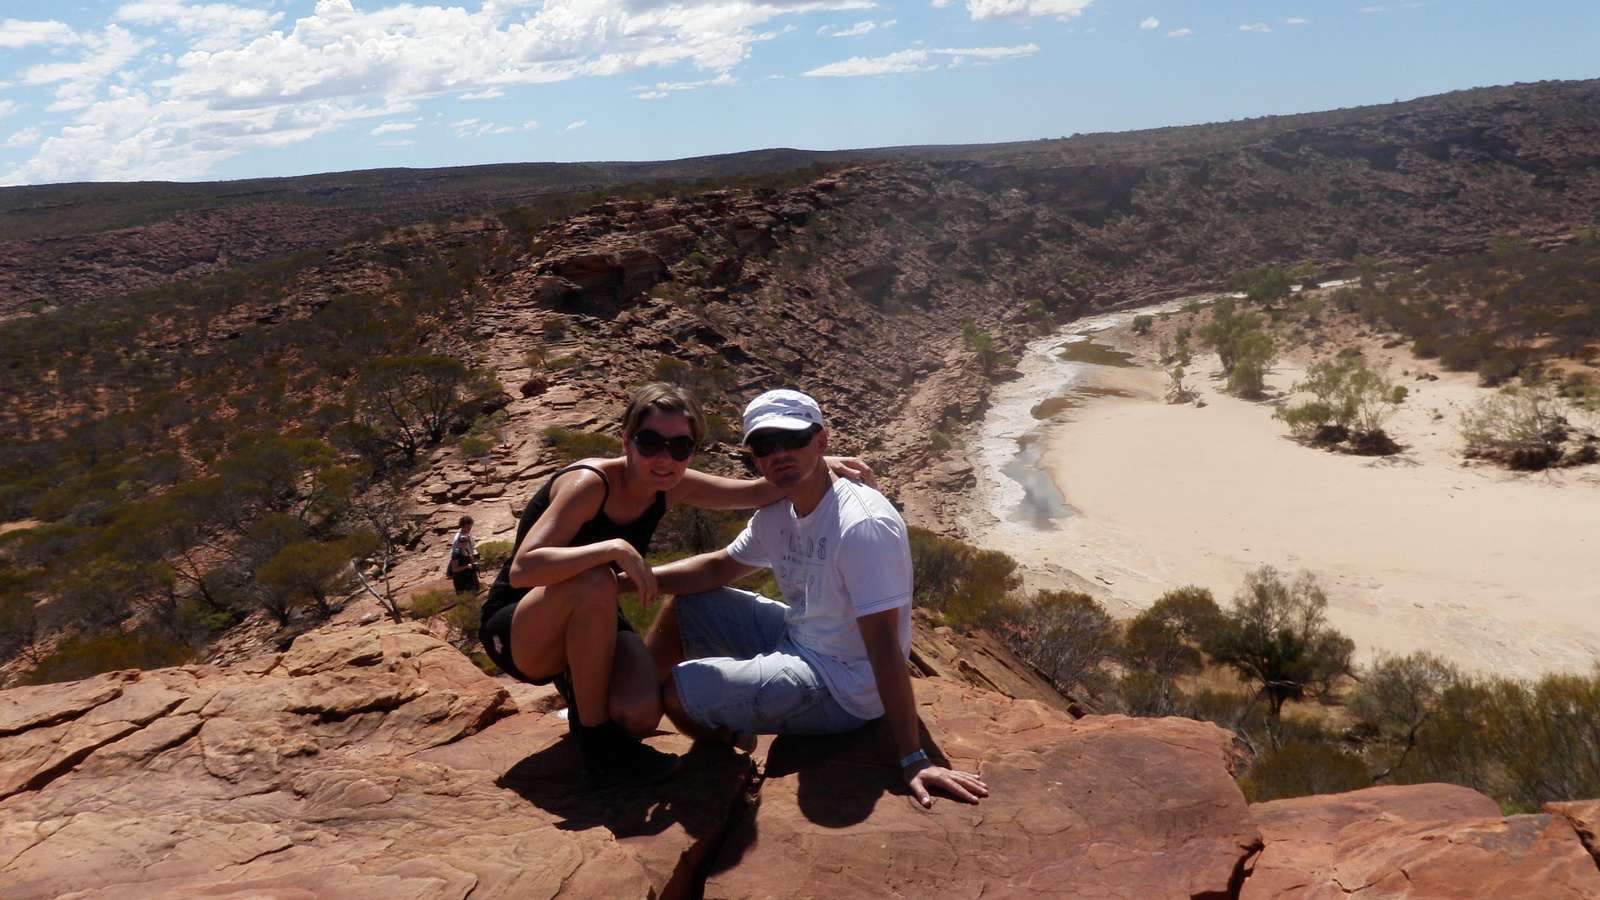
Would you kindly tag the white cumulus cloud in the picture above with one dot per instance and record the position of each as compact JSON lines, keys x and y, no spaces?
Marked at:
{"x":578,"y":124}
{"x":916,"y":60}
{"x":894,"y":63}
{"x":666,"y":88}
{"x":981,"y":10}
{"x":15,"y":33}
{"x":213,"y":26}
{"x":1181,"y":32}
{"x":171,"y":88}
{"x":856,"y":30}
{"x":1256,"y":27}
{"x":1150,"y":23}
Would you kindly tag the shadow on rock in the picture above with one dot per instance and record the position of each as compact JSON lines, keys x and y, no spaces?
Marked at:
{"x":839,"y":778}
{"x":697,"y":798}
{"x":838,"y":781}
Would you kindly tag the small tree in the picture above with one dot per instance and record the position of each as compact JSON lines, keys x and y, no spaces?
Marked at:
{"x":1253,"y":356}
{"x":1398,"y":697}
{"x":958,"y":580}
{"x":1166,"y":637}
{"x":384,"y":511}
{"x":306,"y":571}
{"x":1066,"y":635}
{"x":1520,"y":427}
{"x":1177,"y":390}
{"x":982,"y":342}
{"x":1276,"y":635}
{"x":1354,"y":399}
{"x":410,"y":402}
{"x":1239,"y":342}
{"x":1261,"y":285}
{"x":1366,"y":270}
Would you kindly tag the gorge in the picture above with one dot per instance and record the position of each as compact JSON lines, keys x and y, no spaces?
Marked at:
{"x":213,"y":354}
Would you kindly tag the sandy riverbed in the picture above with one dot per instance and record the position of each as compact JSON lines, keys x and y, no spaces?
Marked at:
{"x":1495,"y":571}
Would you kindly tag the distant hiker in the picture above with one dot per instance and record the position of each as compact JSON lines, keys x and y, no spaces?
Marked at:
{"x":835,"y":656}
{"x":464,"y":533}
{"x":552,"y":613}
{"x":464,"y":557}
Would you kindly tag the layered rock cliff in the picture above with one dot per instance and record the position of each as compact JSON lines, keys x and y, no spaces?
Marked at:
{"x":378,"y":762}
{"x":369,"y":761}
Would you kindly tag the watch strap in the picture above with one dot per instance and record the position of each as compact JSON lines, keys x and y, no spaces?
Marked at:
{"x":911,"y":759}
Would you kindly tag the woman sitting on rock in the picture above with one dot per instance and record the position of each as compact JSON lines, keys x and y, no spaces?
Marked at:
{"x":552,"y":614}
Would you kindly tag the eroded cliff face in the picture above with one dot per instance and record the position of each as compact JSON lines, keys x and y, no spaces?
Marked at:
{"x":378,"y":761}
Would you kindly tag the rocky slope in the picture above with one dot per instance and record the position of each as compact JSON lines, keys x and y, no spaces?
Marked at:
{"x":856,"y":287}
{"x":378,"y":761}
{"x":373,"y":760}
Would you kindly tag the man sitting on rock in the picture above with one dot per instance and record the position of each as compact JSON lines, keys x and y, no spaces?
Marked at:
{"x":834,"y":657}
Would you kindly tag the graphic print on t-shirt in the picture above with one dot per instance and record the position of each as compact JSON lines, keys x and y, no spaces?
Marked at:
{"x":799,"y":566}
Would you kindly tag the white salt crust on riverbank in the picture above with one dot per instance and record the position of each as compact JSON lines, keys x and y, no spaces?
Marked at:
{"x":1492,"y":570}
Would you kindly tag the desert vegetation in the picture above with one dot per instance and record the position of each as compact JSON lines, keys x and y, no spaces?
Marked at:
{"x":1523,"y":318}
{"x":1352,"y":399}
{"x":1268,"y":666}
{"x":1244,"y":349}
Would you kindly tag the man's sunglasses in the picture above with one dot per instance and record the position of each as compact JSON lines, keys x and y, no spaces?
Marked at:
{"x":763,"y":445}
{"x":650,"y":444}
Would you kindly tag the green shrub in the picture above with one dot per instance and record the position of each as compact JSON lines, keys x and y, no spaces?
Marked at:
{"x":495,"y":554}
{"x":1066,"y":635}
{"x":1166,"y":638}
{"x":1354,"y":399}
{"x":1519,"y":427}
{"x":1142,"y":323}
{"x":1276,"y":635}
{"x":77,"y":658}
{"x":956,"y":579}
{"x":429,"y":603}
{"x":574,"y":445}
{"x":1300,"y":769}
{"x":1396,"y":700}
{"x":461,"y":621}
{"x":1261,"y":285}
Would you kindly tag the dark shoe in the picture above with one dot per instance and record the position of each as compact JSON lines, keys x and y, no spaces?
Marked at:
{"x":612,"y":756}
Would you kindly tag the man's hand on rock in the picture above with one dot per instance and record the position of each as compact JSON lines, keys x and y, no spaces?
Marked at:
{"x":964,"y":786}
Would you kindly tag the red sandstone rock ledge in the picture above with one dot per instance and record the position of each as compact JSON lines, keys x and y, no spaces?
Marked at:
{"x":379,"y":763}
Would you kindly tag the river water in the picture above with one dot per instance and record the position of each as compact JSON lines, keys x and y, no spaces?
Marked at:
{"x":1017,"y":508}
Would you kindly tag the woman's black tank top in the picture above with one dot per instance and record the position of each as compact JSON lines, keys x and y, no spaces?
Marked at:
{"x":600,"y":528}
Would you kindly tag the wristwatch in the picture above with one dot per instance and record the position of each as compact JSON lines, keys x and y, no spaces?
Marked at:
{"x":911,"y":759}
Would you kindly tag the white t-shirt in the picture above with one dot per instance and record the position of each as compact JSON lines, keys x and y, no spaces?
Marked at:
{"x":848,"y":558}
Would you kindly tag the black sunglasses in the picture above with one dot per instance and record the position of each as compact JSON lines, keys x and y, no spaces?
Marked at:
{"x":650,"y":444}
{"x":763,"y":445}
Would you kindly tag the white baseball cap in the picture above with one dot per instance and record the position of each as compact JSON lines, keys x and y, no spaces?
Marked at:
{"x":782,"y":408}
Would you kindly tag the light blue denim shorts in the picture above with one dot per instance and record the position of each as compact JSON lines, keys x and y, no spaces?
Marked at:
{"x":745,"y":673}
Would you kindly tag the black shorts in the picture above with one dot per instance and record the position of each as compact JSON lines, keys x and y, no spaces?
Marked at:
{"x":495,"y":633}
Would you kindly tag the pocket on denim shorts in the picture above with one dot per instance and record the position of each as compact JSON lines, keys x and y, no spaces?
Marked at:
{"x":784,"y":696}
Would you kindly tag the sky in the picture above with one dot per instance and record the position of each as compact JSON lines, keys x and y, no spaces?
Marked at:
{"x":189,"y":90}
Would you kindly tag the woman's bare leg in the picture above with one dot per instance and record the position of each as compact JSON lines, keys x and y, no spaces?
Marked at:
{"x":571,"y":626}
{"x":635,"y":686}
